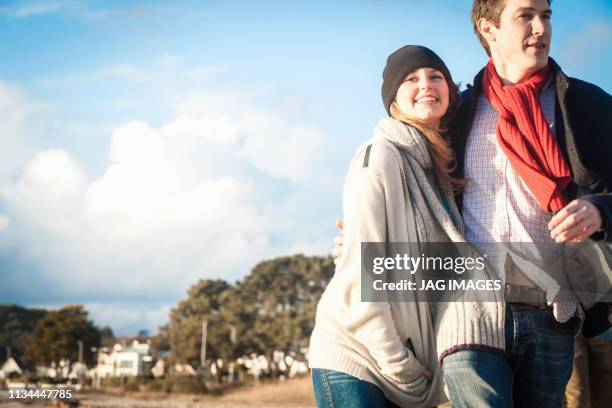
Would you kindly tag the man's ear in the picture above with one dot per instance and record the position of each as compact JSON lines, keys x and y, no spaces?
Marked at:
{"x":487,"y":29}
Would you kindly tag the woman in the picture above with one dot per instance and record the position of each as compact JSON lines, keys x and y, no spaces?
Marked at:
{"x":399,"y":188}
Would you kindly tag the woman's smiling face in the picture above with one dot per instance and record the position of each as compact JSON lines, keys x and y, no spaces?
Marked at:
{"x":424,"y":96}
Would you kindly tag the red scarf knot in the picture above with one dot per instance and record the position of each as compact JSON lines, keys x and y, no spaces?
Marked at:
{"x":525,"y":136}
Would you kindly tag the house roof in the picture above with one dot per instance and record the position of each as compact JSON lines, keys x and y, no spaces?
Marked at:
{"x":12,"y":365}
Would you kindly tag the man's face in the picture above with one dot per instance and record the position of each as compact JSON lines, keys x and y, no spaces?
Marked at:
{"x":522,"y":42}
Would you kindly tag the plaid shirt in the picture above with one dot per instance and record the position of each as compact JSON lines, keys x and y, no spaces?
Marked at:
{"x":498,"y":206}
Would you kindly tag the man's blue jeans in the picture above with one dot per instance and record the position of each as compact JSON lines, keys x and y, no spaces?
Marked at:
{"x":334,"y":389}
{"x":533,"y":372}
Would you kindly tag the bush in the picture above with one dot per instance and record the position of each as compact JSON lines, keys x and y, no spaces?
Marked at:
{"x":159,"y":385}
{"x":189,"y":385}
{"x":113,"y":382}
{"x":132,"y":383}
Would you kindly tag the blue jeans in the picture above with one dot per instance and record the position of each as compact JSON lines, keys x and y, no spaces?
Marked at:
{"x":533,"y":371}
{"x":334,"y":389}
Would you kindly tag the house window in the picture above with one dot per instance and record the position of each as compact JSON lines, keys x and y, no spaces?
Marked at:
{"x":126,"y":364}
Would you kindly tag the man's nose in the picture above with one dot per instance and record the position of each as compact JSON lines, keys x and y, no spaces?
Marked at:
{"x":539,"y":25}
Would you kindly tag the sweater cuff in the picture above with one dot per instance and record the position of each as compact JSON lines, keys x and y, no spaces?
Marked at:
{"x":471,"y":323}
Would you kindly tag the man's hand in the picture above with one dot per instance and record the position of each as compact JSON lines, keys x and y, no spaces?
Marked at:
{"x":338,"y":242}
{"x":575,"y":222}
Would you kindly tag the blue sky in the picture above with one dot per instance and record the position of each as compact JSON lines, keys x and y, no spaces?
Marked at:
{"x":147,"y":144}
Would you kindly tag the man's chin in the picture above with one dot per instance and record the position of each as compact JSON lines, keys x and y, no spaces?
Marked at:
{"x":535,"y":64}
{"x":539,"y":59}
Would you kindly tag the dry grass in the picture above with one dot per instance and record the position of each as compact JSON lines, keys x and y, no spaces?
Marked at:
{"x":297,"y":391}
{"x":291,"y":393}
{"x":294,"y":393}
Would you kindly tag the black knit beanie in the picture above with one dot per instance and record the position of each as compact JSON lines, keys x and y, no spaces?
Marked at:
{"x":402,"y":62}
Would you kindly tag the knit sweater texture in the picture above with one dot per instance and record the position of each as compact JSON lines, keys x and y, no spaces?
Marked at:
{"x":390,"y":195}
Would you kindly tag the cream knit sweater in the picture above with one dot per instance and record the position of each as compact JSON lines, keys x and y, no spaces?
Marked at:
{"x":391,"y":197}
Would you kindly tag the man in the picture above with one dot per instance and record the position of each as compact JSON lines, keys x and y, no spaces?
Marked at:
{"x":531,"y":143}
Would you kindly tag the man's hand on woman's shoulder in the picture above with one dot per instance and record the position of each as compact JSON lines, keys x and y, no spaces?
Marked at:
{"x":338,"y":242}
{"x":575,"y":222}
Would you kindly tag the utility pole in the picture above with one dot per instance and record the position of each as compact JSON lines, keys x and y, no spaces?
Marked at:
{"x":233,"y":334}
{"x":231,"y":365}
{"x":80,"y":351}
{"x":203,"y":350}
{"x":97,"y":379}
{"x":80,"y":373}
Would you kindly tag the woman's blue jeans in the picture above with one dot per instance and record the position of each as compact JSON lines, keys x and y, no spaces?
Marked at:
{"x":334,"y":389}
{"x":533,"y":372}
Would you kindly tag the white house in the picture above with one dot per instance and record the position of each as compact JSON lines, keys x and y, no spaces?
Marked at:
{"x":77,"y":371}
{"x":60,"y":370}
{"x":162,"y":368}
{"x":9,"y":367}
{"x":134,"y":360}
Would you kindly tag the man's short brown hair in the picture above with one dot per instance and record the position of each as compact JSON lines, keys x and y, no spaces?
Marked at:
{"x":489,"y":10}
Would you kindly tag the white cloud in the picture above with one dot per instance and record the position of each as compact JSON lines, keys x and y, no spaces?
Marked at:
{"x":127,"y":71}
{"x":278,"y":147}
{"x":70,"y":8}
{"x":115,"y":72}
{"x":200,"y":196}
{"x":48,"y":193}
{"x":32,"y":8}
{"x":4,"y":222}
{"x":19,"y":117}
{"x":169,"y":60}
{"x":189,"y":130}
{"x":319,"y":247}
{"x":168,"y":210}
{"x":164,"y":70}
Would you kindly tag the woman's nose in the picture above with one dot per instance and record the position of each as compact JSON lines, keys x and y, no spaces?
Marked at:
{"x":424,"y":83}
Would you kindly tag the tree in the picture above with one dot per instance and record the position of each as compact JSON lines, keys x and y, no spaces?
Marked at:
{"x":185,"y":328}
{"x":272,"y":309}
{"x":160,"y":341}
{"x":282,"y":295}
{"x":107,"y":337}
{"x":56,"y":337}
{"x":16,"y":327}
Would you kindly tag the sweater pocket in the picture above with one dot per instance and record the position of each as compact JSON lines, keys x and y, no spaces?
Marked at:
{"x":409,"y":373}
{"x":416,"y":387}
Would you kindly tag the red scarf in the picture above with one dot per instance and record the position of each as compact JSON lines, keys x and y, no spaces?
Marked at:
{"x":526,"y":138}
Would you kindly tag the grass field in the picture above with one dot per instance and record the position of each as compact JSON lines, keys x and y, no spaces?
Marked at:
{"x":295,"y":393}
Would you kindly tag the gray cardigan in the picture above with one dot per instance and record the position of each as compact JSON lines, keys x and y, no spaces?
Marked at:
{"x":389,"y":196}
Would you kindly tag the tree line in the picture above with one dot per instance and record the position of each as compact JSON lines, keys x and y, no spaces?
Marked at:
{"x":271,"y":309}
